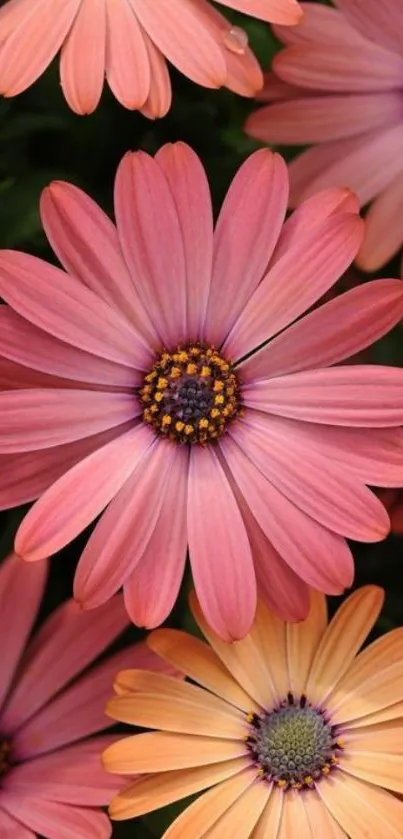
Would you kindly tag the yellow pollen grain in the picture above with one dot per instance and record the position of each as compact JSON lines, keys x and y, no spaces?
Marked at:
{"x":282,"y":783}
{"x":203,"y":423}
{"x":166,"y":419}
{"x":250,"y":716}
{"x":158,"y":396}
{"x":189,"y":429}
{"x":180,"y":357}
{"x":154,"y":409}
{"x":308,"y":780}
{"x":325,"y":770}
{"x":179,"y":426}
{"x":205,"y":371}
{"x":218,"y":386}
{"x":191,"y":369}
{"x":214,"y":413}
{"x":150,"y":376}
{"x":162,"y":383}
{"x":219,"y":399}
{"x":175,"y":373}
{"x":195,"y":352}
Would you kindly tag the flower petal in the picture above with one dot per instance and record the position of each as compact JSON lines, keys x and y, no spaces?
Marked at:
{"x":379,"y":21}
{"x":163,"y":752}
{"x":345,"y":635}
{"x":55,"y":820}
{"x":220,"y":554}
{"x":302,"y":641}
{"x":296,"y":281}
{"x":383,"y":233}
{"x":362,"y":809}
{"x":286,"y":12}
{"x":128,"y":70}
{"x":237,"y":818}
{"x":82,"y":61}
{"x":258,"y":193}
{"x":339,"y":68}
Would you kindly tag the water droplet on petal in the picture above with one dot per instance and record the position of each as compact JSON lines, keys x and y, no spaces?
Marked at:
{"x":236,"y":40}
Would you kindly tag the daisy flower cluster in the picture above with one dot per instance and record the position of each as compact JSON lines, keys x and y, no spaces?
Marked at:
{"x":199,"y":418}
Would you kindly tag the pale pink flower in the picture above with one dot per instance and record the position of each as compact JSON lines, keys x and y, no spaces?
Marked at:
{"x":129,"y":42}
{"x":51,"y":779}
{"x":339,"y":84}
{"x":143,"y":379}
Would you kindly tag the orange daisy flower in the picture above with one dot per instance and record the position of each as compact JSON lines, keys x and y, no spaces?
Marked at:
{"x":290,"y":728}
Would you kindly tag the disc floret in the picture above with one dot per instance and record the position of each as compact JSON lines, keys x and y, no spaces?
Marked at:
{"x":191,"y":394}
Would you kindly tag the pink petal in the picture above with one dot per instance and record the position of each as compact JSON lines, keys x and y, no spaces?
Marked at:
{"x":159,"y":98}
{"x":330,"y":396}
{"x":75,"y":713}
{"x":60,"y":304}
{"x":333,"y":332}
{"x":87,"y":244}
{"x":12,"y":829}
{"x":80,"y":495}
{"x":281,"y":589}
{"x":321,"y":558}
{"x":25,"y":344}
{"x":17,"y":617}
{"x":189,"y":186}
{"x":220,"y":554}
{"x":33,"y":419}
{"x":25,"y":475}
{"x":313,"y":211}
{"x":323,"y":489}
{"x":379,"y":20}
{"x":81,"y":636}
{"x":179,"y":28}
{"x":383,"y":230}
{"x":247,"y":231}
{"x":82,"y":62}
{"x":33,"y":43}
{"x":14,"y":376}
{"x":151,"y":239}
{"x":73,"y":775}
{"x":274,"y":11}
{"x":54,"y":820}
{"x":122,"y":535}
{"x":151,"y":591}
{"x":367,"y":164}
{"x":319,"y":119}
{"x":320,"y":24}
{"x":297,"y":279}
{"x":341,"y":68}
{"x":127,"y":64}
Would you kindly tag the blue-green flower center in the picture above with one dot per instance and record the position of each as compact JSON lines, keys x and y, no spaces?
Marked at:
{"x":294,"y":745}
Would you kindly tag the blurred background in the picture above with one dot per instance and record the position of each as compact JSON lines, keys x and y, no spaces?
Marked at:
{"x":41,"y":140}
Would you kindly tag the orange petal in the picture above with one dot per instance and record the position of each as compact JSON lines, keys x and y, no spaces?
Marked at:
{"x":294,"y":818}
{"x":240,"y":819}
{"x":200,"y":662}
{"x":361,"y":809}
{"x":163,"y":751}
{"x":381,"y":769}
{"x":244,"y":659}
{"x":373,"y":682}
{"x":343,"y":638}
{"x":127,"y":64}
{"x":320,"y":819}
{"x":167,"y":704}
{"x":199,"y":820}
{"x":269,"y":822}
{"x":303,"y":639}
{"x":155,"y":791}
{"x":392,"y":712}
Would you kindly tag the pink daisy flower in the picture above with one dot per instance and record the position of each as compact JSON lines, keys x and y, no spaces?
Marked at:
{"x":51,"y":779}
{"x":129,"y":42}
{"x":339,"y":85}
{"x":164,"y":375}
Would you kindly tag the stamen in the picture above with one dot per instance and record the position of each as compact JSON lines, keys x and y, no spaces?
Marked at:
{"x":191,"y":395}
{"x":294,"y":745}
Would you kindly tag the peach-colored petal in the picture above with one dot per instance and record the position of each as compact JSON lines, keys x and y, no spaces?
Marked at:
{"x":270,"y":820}
{"x":294,"y":816}
{"x":373,"y":682}
{"x":152,"y":700}
{"x":150,"y":793}
{"x":220,"y":555}
{"x":238,"y":821}
{"x":162,"y":752}
{"x":382,"y":766}
{"x":320,"y":819}
{"x":302,"y":641}
{"x":179,"y":28}
{"x":159,"y":98}
{"x":31,"y":46}
{"x":82,"y":61}
{"x":345,"y":635}
{"x":244,"y":659}
{"x":286,"y":12}
{"x":361,"y":809}
{"x":128,"y":70}
{"x":201,"y":664}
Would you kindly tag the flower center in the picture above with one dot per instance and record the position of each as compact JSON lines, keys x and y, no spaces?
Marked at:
{"x":294,"y":745}
{"x":190,"y":395}
{"x":5,"y":749}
